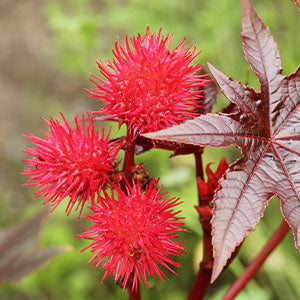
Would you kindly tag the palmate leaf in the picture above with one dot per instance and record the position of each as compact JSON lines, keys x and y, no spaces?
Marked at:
{"x":19,"y":251}
{"x":266,"y":128}
{"x":209,"y":94}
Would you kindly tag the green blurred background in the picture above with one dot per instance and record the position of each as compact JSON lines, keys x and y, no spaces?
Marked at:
{"x":47,"y":52}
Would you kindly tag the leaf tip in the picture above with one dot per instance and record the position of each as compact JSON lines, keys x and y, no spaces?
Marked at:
{"x":246,"y":7}
{"x":150,"y":135}
{"x":219,"y":263}
{"x":215,"y":72}
{"x":211,"y":68}
{"x":209,"y":64}
{"x":215,"y":274}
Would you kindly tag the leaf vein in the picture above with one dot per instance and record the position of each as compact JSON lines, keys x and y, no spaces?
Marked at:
{"x":288,"y":148}
{"x":243,"y":191}
{"x":286,"y":119}
{"x":286,"y":172}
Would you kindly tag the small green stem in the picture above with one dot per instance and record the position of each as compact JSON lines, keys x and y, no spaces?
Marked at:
{"x":258,"y":261}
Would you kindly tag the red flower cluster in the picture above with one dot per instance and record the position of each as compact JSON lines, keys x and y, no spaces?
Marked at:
{"x":71,"y":163}
{"x":207,"y":190}
{"x":149,"y":87}
{"x":135,"y":233}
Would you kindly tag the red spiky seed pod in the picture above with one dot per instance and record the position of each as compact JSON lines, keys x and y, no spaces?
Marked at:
{"x":75,"y":163}
{"x":135,"y":232}
{"x":148,"y":86}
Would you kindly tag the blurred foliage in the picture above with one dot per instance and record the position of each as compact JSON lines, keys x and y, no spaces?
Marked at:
{"x":85,"y":30}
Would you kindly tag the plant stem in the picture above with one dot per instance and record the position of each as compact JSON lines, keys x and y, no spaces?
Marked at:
{"x":203,"y":277}
{"x":133,"y":294}
{"x":177,"y":147}
{"x":129,"y":158}
{"x":199,"y":173}
{"x":258,"y":261}
{"x":128,"y":165}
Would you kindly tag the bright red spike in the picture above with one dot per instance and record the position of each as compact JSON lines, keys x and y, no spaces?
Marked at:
{"x":150,"y":86}
{"x":135,"y":233}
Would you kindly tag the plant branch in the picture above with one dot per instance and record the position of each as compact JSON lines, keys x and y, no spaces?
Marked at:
{"x":128,"y":167}
{"x":133,"y":293}
{"x":178,"y":148}
{"x":129,"y":157}
{"x":203,"y":277}
{"x":199,"y":173}
{"x":258,"y":261}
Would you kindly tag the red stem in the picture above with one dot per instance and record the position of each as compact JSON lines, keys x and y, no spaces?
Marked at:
{"x":199,"y":173}
{"x":177,"y":147}
{"x":133,"y":294}
{"x":258,"y":261}
{"x":128,"y":165}
{"x":203,"y":277}
{"x":202,"y":280}
{"x":129,"y":158}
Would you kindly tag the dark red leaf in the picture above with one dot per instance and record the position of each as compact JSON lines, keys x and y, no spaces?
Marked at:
{"x":19,"y":252}
{"x":230,"y":108}
{"x":266,"y":128}
{"x":142,"y":145}
{"x":209,"y":94}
